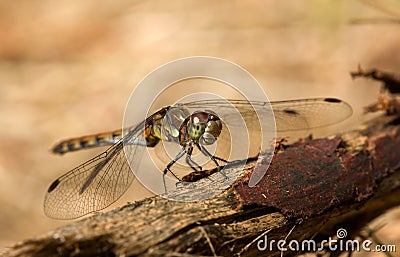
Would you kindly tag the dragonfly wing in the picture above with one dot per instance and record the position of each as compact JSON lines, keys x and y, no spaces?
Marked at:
{"x":309,"y":113}
{"x":291,"y":115}
{"x":95,"y":184}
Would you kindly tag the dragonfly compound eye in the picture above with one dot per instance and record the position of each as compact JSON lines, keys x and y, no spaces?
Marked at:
{"x":199,"y":117}
{"x":214,"y":128}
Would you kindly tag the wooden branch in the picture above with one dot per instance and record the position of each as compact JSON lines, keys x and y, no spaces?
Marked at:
{"x":311,"y":189}
{"x":391,"y":81}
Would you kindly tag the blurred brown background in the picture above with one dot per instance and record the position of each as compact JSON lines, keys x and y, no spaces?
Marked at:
{"x":67,"y":69}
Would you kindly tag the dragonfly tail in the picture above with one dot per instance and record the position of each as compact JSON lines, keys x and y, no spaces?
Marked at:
{"x":86,"y":142}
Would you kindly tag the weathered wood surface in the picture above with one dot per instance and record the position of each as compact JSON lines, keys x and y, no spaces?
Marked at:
{"x":312,"y":188}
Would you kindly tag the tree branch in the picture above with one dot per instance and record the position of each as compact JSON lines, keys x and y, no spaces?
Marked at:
{"x":312,"y":188}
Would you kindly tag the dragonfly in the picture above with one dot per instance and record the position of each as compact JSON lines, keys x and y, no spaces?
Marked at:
{"x":100,"y":181}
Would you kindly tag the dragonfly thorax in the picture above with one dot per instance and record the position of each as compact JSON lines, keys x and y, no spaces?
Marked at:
{"x":167,"y":127}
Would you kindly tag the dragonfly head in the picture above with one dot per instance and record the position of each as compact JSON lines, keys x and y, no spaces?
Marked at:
{"x":204,"y":127}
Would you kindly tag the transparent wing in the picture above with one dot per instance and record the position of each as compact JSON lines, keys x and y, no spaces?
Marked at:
{"x":291,"y":115}
{"x":310,"y":113}
{"x":95,"y":184}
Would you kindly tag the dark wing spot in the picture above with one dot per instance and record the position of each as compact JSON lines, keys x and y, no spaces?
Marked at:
{"x":332,"y":100}
{"x":53,"y":186}
{"x":291,"y":112}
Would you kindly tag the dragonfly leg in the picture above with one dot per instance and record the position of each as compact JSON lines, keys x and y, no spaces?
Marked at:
{"x":212,"y":157}
{"x":172,"y":162}
{"x":208,"y":154}
{"x":194,"y":165}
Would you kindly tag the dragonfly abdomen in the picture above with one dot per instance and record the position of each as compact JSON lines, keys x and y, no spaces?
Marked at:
{"x":89,"y":141}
